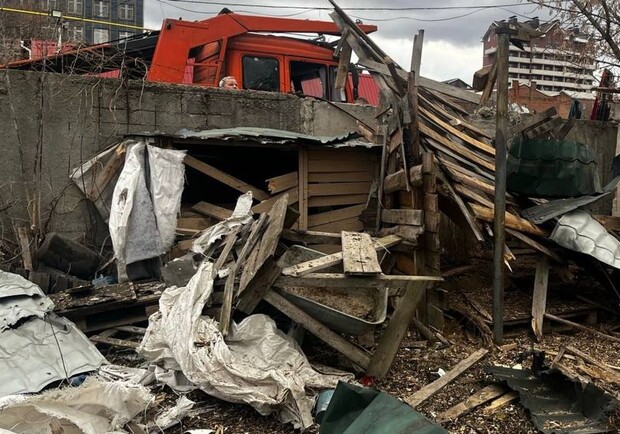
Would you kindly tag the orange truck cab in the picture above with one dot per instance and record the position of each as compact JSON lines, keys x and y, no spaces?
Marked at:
{"x":203,"y":52}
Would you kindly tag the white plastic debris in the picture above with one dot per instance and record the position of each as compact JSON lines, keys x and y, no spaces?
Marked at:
{"x":173,"y":415}
{"x":257,"y":364}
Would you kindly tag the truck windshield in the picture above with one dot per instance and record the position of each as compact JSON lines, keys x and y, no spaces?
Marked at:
{"x":261,"y":73}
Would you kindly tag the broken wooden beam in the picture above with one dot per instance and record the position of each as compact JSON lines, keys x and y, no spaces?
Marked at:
{"x":225,"y":178}
{"x":512,"y":221}
{"x":397,"y":180}
{"x":413,"y":217}
{"x":335,"y":258}
{"x":426,"y":392}
{"x":358,"y":254}
{"x":212,"y":210}
{"x":334,"y":340}
{"x":500,"y":403}
{"x":278,"y":184}
{"x":581,"y":327}
{"x":539,"y":299}
{"x":311,"y":237}
{"x":477,"y":399}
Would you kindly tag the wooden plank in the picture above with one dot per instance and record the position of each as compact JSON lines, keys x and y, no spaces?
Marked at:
{"x":343,"y":199}
{"x":512,"y":221}
{"x":396,"y":330}
{"x":338,"y":188}
{"x":453,"y":120}
{"x":363,"y":176}
{"x":581,"y":327}
{"x":361,"y":155}
{"x":350,"y":224}
{"x":428,"y":391}
{"x":266,"y":248}
{"x":111,"y":168}
{"x":455,"y":147}
{"x":535,"y":120}
{"x":344,"y":59}
{"x":278,"y":184}
{"x":196,"y":223}
{"x":334,"y":259}
{"x":478,"y":398}
{"x":266,"y":205}
{"x":336,"y":215}
{"x":428,"y":83}
{"x":303,"y":189}
{"x":413,"y":217}
{"x":473,"y":195}
{"x":341,"y":280}
{"x":358,"y":255}
{"x":259,"y":285}
{"x":212,"y":210}
{"x":396,"y":181}
{"x":311,"y":237}
{"x":231,"y":239}
{"x":114,"y":342}
{"x":500,"y":403}
{"x":225,"y":178}
{"x":341,"y":166}
{"x":539,"y":301}
{"x":450,"y":129}
{"x":322,"y":332}
{"x":24,"y":243}
{"x":462,"y":207}
{"x":407,"y":233}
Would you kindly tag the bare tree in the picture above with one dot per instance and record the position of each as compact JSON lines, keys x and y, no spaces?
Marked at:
{"x":600,"y":19}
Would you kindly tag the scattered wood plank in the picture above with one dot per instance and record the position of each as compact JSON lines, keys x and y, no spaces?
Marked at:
{"x":261,"y":283}
{"x":114,"y":342}
{"x":212,"y":210}
{"x":334,"y":216}
{"x":266,"y":205}
{"x":350,"y":224}
{"x":396,"y":330}
{"x":607,"y":371}
{"x":536,"y":245}
{"x":358,"y":254}
{"x":196,"y":223}
{"x":109,"y":171}
{"x":431,"y":389}
{"x":581,"y":327}
{"x":334,"y":259}
{"x":278,"y":184}
{"x":480,"y":397}
{"x":413,"y":217}
{"x":512,"y":221}
{"x":334,"y":340}
{"x":462,"y":207}
{"x":407,"y":233}
{"x":539,"y":300}
{"x":231,"y":239}
{"x":311,"y":237}
{"x":501,"y":402}
{"x":340,"y":280}
{"x":225,"y":178}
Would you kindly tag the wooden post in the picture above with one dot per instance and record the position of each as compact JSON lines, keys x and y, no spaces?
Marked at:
{"x":539,"y":300}
{"x":302,"y":185}
{"x":395,"y":332}
{"x":24,"y":242}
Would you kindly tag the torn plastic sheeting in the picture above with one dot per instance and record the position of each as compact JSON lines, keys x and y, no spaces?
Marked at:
{"x":257,"y":365}
{"x":580,"y":232}
{"x":144,"y":209}
{"x":42,"y":351}
{"x":13,"y":309}
{"x":12,"y":284}
{"x":173,"y":415}
{"x":242,"y":215}
{"x":95,"y":407}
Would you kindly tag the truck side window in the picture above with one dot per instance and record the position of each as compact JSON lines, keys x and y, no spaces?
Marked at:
{"x":309,"y":78}
{"x":261,"y":73}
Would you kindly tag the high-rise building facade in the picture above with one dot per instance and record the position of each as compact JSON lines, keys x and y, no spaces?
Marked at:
{"x":75,"y":21}
{"x":555,"y":62}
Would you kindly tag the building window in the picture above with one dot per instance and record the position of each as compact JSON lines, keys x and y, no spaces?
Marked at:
{"x":53,"y":5}
{"x":75,"y":7}
{"x":261,"y":73}
{"x":126,"y":12}
{"x":101,"y":8}
{"x":75,"y":33}
{"x":123,"y":35}
{"x":100,"y":36}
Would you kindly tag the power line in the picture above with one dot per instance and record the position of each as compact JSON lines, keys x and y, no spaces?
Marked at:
{"x":320,"y":8}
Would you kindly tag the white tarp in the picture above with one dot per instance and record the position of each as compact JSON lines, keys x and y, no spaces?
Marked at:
{"x":96,"y":407}
{"x":257,"y":364}
{"x":143,"y":211}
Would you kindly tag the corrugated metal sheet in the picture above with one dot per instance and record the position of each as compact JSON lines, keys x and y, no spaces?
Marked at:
{"x":272,"y":136}
{"x":578,"y":231}
{"x":551,"y":168}
{"x":556,"y":404}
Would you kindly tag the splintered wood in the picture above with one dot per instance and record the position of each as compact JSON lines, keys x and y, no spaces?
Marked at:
{"x":359,"y":255}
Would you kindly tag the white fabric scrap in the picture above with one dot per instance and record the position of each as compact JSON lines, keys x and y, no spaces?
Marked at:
{"x":96,"y":407}
{"x":257,"y":365}
{"x":173,"y":415}
{"x":241,"y":215}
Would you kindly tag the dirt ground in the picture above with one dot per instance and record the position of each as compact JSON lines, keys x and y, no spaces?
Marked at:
{"x":417,"y":365}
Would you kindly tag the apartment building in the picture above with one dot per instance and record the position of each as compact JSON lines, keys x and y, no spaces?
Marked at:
{"x":555,"y":62}
{"x":80,"y":21}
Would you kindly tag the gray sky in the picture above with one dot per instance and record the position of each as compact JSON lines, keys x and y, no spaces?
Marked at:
{"x":452,"y":39}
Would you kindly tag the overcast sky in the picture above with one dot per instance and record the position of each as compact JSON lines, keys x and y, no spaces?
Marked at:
{"x":452,"y":40}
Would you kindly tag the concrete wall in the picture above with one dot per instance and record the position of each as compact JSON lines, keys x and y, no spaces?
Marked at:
{"x":53,"y":123}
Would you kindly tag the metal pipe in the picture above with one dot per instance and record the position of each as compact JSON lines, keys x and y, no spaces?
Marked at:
{"x":501,"y":138}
